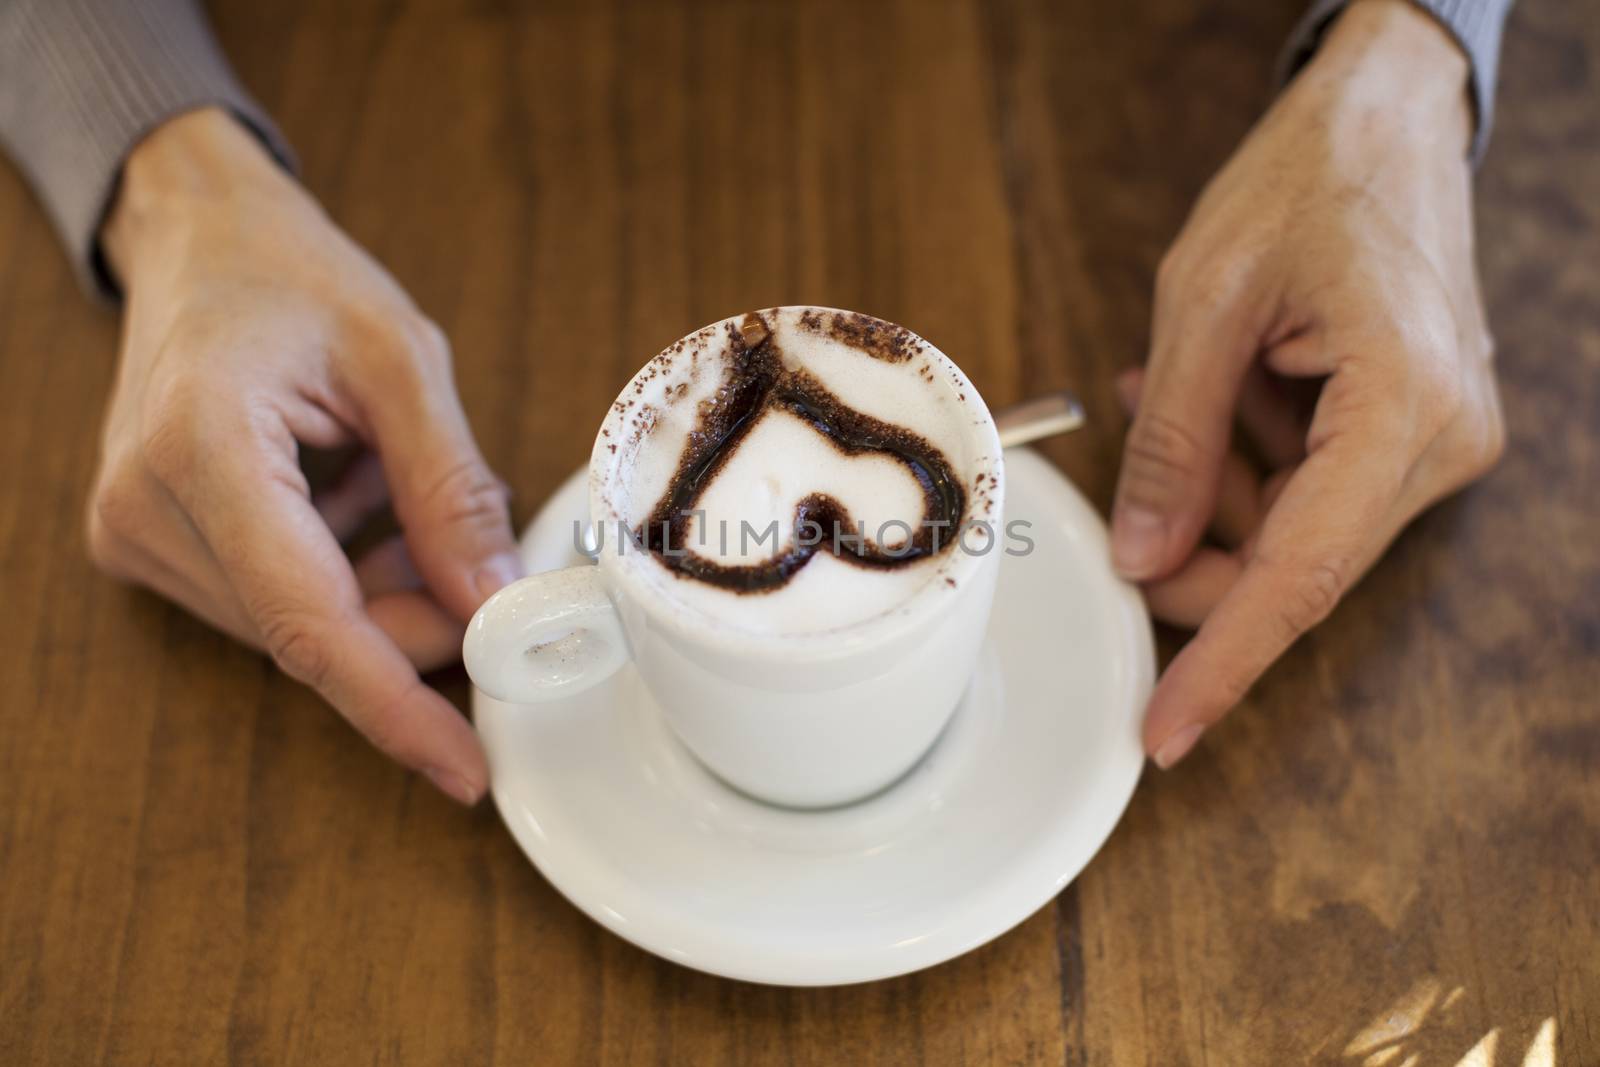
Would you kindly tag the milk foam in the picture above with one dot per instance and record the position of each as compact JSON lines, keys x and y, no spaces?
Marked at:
{"x":782,"y":459}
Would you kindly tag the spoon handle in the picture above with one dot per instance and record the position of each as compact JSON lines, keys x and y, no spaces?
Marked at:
{"x":1041,"y":416}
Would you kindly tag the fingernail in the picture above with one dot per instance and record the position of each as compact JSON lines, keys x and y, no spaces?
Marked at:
{"x":452,"y":785}
{"x":1178,"y":745}
{"x":498,"y":573}
{"x":1137,"y":535}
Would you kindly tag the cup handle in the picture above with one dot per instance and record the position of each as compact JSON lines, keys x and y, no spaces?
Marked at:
{"x":546,"y":637}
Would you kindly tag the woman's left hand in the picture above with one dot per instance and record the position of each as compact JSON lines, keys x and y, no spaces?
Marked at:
{"x":1323,"y":295}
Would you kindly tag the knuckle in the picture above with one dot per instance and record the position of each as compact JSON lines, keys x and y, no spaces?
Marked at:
{"x":1162,"y":458}
{"x":170,"y":441}
{"x":467,"y":493}
{"x":1215,"y":285}
{"x":406,"y":339}
{"x":296,"y":645}
{"x":1484,"y":444}
{"x":1310,"y":597}
{"x":1169,"y":272}
{"x":107,"y":551}
{"x":427,"y":338}
{"x":1491,"y":442}
{"x":1233,"y":687}
{"x":117,"y":506}
{"x":1423,"y":359}
{"x":1207,"y":284}
{"x":1440,"y":395}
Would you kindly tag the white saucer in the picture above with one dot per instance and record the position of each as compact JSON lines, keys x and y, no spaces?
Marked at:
{"x":1017,"y":795}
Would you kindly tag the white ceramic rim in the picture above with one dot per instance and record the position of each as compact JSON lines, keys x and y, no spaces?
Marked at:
{"x":628,"y":569}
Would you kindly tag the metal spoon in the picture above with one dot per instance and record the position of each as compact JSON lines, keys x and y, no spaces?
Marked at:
{"x":1042,"y":416}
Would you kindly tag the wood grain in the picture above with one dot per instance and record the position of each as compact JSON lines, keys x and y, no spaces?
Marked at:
{"x":1392,"y":850}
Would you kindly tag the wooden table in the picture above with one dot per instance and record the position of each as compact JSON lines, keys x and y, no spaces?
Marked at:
{"x":1391,"y":851}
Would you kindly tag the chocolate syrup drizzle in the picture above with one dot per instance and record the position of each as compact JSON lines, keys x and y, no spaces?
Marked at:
{"x":758,"y":382}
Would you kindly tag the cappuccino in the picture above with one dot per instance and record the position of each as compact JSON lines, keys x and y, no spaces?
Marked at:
{"x":798,"y":470}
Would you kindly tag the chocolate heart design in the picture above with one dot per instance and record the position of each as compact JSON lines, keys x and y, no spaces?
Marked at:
{"x":759,"y":383}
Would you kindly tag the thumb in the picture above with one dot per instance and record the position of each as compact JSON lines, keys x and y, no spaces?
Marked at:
{"x":1173,"y":456}
{"x":450,"y":505}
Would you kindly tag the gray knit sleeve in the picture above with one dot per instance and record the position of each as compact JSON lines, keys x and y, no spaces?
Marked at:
{"x":82,"y":81}
{"x":1475,"y":24}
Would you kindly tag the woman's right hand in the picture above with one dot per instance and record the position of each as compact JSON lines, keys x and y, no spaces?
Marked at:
{"x":254,"y":327}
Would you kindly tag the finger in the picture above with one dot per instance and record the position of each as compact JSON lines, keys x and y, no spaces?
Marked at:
{"x":1333,"y":518}
{"x":1129,"y":384}
{"x":1304,"y":355}
{"x":399,"y":604}
{"x":360,"y":493}
{"x":251,"y":506}
{"x":140,"y":567}
{"x":429,"y":636}
{"x":1173,"y":455}
{"x":1194,"y":591}
{"x":138,"y":532}
{"x":1270,"y":419}
{"x":1238,"y":509}
{"x":1273,"y":488}
{"x":451,"y":506}
{"x":387,"y":568}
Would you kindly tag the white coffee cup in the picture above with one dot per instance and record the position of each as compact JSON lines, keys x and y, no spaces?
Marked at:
{"x":803,"y":720}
